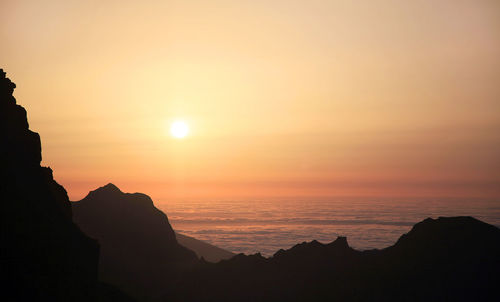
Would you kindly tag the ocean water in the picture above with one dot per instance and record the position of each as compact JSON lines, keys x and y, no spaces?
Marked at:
{"x":266,"y":226}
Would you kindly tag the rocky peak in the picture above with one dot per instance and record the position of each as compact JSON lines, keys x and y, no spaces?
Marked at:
{"x":24,"y":147}
{"x":47,"y":256}
{"x":108,"y":190}
{"x":6,"y":86}
{"x":339,"y":243}
{"x":137,"y":241}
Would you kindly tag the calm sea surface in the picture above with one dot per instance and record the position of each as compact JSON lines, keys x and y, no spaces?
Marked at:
{"x":266,"y":226}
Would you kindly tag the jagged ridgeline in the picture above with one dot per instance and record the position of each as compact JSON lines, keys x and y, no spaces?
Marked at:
{"x":444,"y":259}
{"x":44,"y":255}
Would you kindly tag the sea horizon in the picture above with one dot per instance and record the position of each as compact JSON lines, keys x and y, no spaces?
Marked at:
{"x":264,"y":226}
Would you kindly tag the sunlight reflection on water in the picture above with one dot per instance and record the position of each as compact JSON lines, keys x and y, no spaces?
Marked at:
{"x":266,"y":226}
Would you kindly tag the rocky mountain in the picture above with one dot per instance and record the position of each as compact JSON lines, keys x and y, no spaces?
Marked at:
{"x":44,"y":255}
{"x":203,"y":249}
{"x":445,"y":259}
{"x":139,"y":250}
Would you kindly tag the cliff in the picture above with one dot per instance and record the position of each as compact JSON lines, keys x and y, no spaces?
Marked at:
{"x":44,"y":255}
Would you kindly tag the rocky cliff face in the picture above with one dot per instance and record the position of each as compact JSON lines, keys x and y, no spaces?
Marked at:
{"x":44,"y":255}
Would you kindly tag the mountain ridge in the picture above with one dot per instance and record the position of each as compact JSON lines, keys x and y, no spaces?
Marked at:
{"x":449,"y":258}
{"x":139,"y":249}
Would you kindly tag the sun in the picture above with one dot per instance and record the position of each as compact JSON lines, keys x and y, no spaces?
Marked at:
{"x":179,"y":129}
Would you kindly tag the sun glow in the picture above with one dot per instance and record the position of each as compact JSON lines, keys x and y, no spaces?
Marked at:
{"x":179,"y":129}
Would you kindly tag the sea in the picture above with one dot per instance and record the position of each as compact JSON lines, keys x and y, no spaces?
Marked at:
{"x":266,"y":226}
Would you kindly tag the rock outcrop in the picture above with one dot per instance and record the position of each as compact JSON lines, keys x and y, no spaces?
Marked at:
{"x":44,"y":255}
{"x":139,"y":250}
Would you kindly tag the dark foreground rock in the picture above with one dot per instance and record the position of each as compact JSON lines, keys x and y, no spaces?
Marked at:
{"x":445,"y":259}
{"x":139,"y":250}
{"x":44,"y":255}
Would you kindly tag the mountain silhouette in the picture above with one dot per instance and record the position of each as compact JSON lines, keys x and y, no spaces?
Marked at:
{"x":204,"y":250}
{"x":444,"y":259}
{"x":44,"y":255}
{"x":139,"y":250}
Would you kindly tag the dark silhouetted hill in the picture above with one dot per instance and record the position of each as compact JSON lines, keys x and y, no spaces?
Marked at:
{"x":139,"y":250}
{"x":44,"y":255}
{"x":445,"y":259}
{"x":209,"y":252}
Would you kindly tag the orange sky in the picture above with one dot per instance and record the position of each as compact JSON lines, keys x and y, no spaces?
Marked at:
{"x":283,"y":98}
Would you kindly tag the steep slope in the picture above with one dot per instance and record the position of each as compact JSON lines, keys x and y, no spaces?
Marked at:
{"x":139,"y":251}
{"x":445,"y":259}
{"x":202,"y":249}
{"x":44,"y":255}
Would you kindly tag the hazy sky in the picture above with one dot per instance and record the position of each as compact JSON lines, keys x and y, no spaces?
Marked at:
{"x":283,"y":98}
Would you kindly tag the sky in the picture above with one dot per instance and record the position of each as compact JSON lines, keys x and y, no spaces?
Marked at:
{"x":374,"y":99}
